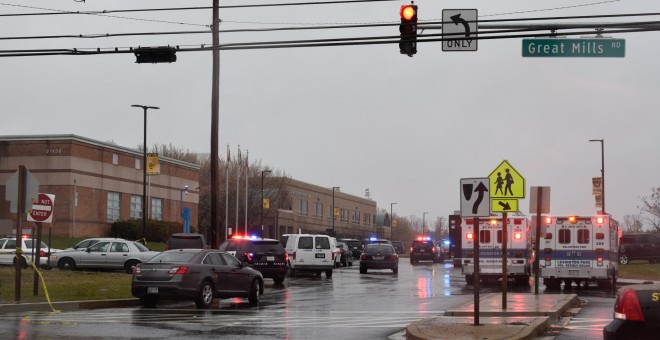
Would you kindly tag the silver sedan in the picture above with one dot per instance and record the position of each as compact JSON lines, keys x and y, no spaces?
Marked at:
{"x":117,"y":254}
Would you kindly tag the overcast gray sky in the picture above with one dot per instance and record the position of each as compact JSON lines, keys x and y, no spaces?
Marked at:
{"x":360,"y":116}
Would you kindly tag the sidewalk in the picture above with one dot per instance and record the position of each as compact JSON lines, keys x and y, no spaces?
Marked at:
{"x":525,"y":317}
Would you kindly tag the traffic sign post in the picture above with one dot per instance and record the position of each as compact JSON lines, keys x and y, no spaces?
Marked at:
{"x":460,"y":25}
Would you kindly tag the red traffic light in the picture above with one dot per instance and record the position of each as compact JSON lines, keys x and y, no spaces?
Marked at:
{"x":408,"y":12}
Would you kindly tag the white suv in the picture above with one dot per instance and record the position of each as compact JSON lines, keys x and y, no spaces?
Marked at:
{"x":29,"y":246}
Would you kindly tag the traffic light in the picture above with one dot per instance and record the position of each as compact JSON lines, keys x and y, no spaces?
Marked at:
{"x":161,"y":54}
{"x":408,"y":29}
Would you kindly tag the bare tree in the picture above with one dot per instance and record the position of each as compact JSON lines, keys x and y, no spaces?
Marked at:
{"x":633,"y":223}
{"x":651,"y":207}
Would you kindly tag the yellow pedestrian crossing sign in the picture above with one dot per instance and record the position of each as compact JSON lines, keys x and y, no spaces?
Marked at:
{"x":506,"y":182}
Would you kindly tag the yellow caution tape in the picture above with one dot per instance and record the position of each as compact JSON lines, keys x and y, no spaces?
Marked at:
{"x":43,"y":283}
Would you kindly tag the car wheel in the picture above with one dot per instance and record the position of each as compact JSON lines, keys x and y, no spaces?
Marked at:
{"x":344,"y":263}
{"x":328,"y":273}
{"x":395,"y":270}
{"x":129,"y":265}
{"x":66,"y":264}
{"x":149,"y":301}
{"x":255,"y":293}
{"x":363,"y":270}
{"x":278,"y":279}
{"x":623,"y":259}
{"x":204,"y":298}
{"x":412,"y":261}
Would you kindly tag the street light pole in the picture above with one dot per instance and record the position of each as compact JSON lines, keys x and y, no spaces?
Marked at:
{"x":391,"y":219}
{"x":144,"y":172}
{"x":262,"y":201}
{"x":333,"y":210}
{"x":424,"y":220}
{"x":602,"y":171}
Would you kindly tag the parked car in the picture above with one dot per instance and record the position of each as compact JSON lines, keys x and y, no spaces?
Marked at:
{"x":115,"y":254}
{"x":398,"y":246}
{"x":199,"y":275}
{"x":86,"y":243}
{"x":354,"y":245}
{"x":379,"y":256}
{"x":639,"y":246}
{"x":263,"y":254}
{"x":186,"y":241}
{"x":442,"y":249}
{"x":311,"y":253}
{"x":345,"y":254}
{"x":29,"y":246}
{"x":636,"y":313}
{"x":423,"y":249}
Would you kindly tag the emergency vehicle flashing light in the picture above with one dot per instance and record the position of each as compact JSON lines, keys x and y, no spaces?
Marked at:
{"x":548,"y":221}
{"x":469,"y":236}
{"x":517,"y":236}
{"x":423,"y":238}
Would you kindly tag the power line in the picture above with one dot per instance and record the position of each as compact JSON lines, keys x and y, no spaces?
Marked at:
{"x":310,"y":43}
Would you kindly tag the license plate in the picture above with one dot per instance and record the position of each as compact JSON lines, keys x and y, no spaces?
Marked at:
{"x":320,"y":256}
{"x":574,"y":272}
{"x":421,"y":250}
{"x":152,"y":290}
{"x":270,"y":258}
{"x":378,"y":257}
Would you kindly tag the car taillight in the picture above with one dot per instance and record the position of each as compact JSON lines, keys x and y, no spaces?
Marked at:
{"x":363,"y":257}
{"x":433,"y":250}
{"x":137,"y":270}
{"x":249,"y":256}
{"x":627,"y":306}
{"x":178,"y":270}
{"x":286,"y":257}
{"x":391,"y":257}
{"x":411,"y":249}
{"x":42,"y":253}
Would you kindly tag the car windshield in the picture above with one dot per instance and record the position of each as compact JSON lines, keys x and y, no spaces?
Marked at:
{"x":379,"y":249}
{"x":267,"y":247}
{"x":353,"y":243}
{"x":30,"y":244}
{"x":141,"y":247}
{"x":173,"y":257}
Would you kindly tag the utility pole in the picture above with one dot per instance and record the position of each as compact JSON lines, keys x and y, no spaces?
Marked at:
{"x":215,"y":113}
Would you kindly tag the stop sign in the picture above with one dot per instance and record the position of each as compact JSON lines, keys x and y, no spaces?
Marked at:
{"x":42,"y":209}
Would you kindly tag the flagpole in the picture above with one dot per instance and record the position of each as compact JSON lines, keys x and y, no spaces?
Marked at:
{"x":238,"y":176}
{"x":247,"y":172}
{"x":227,"y":194}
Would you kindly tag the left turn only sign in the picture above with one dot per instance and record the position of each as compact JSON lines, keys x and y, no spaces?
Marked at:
{"x":42,"y":209}
{"x":475,"y":197}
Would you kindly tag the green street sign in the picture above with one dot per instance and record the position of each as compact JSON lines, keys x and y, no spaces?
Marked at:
{"x":589,"y":48}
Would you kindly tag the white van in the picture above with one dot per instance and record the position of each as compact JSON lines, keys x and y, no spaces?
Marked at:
{"x":309,"y":252}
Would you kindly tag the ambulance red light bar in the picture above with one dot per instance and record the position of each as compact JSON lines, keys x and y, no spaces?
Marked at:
{"x":469,"y":236}
{"x":493,"y":221}
{"x":600,"y":220}
{"x":572,"y":219}
{"x":423,"y":238}
{"x":517,"y":236}
{"x":548,"y":221}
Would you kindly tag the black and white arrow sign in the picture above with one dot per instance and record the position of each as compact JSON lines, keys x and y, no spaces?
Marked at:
{"x":475,"y":200}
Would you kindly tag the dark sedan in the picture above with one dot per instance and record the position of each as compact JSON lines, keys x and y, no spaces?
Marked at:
{"x":199,"y":275}
{"x":636,"y":313}
{"x":379,"y":256}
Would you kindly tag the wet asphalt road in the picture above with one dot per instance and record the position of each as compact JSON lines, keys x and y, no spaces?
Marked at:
{"x":349,"y":305}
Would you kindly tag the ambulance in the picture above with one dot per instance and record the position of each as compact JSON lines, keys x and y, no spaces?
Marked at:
{"x":490,"y":236}
{"x":580,"y":249}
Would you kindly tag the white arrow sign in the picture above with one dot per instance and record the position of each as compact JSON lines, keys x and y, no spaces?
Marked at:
{"x":475,"y":198}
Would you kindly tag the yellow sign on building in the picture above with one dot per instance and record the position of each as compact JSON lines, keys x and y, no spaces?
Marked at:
{"x":153,"y":168}
{"x":266,"y":203}
{"x":506,"y":182}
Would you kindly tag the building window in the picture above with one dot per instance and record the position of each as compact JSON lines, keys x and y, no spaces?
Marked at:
{"x":113,"y":206}
{"x":356,"y":217}
{"x":138,"y":163}
{"x":115,"y":159}
{"x":344,"y":215}
{"x":136,"y":207}
{"x":157,"y":209}
{"x":302,"y":207}
{"x":367,"y":218}
{"x":318,"y":209}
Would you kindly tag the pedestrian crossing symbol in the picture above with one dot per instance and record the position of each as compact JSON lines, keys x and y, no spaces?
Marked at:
{"x":506,"y":182}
